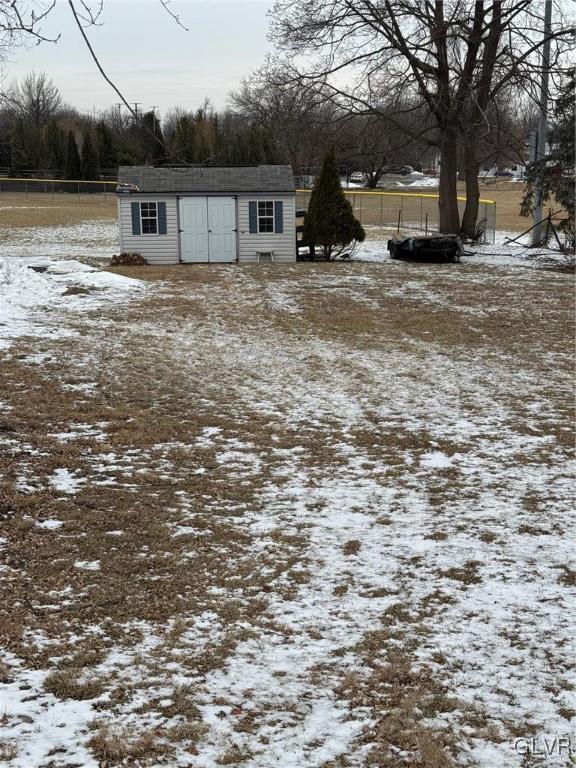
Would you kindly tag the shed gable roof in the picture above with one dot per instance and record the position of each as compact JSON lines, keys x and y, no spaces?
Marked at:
{"x":261,"y":178}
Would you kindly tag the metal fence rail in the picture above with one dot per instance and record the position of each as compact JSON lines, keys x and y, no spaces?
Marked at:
{"x":405,"y":212}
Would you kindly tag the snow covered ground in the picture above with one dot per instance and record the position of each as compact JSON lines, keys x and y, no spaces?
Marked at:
{"x":33,"y":287}
{"x":92,"y":239}
{"x":298,"y":516}
{"x":502,"y":253}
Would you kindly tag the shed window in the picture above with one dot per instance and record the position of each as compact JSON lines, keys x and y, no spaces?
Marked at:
{"x":149,"y":218}
{"x":265,"y":216}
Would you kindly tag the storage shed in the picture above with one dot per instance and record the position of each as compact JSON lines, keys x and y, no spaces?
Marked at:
{"x":203,"y":214}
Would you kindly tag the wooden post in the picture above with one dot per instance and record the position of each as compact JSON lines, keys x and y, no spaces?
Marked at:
{"x":381,"y":203}
{"x":421,"y":201}
{"x":426,"y":230}
{"x":399,"y":219}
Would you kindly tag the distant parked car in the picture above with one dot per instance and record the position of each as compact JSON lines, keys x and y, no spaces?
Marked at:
{"x":507,"y":174}
{"x":403,"y":170}
{"x":358,"y":177}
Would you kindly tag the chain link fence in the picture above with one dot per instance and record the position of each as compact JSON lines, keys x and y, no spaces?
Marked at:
{"x":74,"y":190}
{"x":399,"y":212}
{"x":406,"y":212}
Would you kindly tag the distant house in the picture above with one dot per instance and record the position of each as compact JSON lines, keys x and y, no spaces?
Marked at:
{"x":203,"y":214}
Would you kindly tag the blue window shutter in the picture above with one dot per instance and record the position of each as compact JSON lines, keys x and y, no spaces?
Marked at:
{"x":136,"y":219}
{"x":161,"y":218}
{"x":253,"y":216}
{"x":278,"y":216}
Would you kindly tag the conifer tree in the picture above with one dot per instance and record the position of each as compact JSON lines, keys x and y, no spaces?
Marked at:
{"x":73,"y":166}
{"x":105,"y":146}
{"x":330,"y":222}
{"x":89,"y":159}
{"x":154,"y":152}
{"x":55,"y":147}
{"x":554,"y":173}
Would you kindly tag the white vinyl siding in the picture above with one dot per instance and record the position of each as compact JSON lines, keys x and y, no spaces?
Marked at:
{"x":283,"y":244}
{"x":159,"y":249}
{"x":165,"y":249}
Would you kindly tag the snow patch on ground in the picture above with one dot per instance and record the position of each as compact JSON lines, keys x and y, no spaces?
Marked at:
{"x":50,"y":525}
{"x":34,"y":290}
{"x":66,"y":481}
{"x":500,"y":254}
{"x":96,"y":239}
{"x":46,"y":714}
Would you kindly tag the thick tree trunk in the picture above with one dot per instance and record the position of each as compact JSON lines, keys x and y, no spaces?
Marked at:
{"x":448,"y":203}
{"x":470,"y":216}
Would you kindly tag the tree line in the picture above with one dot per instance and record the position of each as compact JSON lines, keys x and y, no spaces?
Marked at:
{"x":384,"y":83}
{"x":39,"y":132}
{"x":451,"y":64}
{"x":265,"y":122}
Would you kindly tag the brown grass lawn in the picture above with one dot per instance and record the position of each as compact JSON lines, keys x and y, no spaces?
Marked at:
{"x":44,"y":210}
{"x":311,"y":508}
{"x":252,"y":442}
{"x":19,"y":210}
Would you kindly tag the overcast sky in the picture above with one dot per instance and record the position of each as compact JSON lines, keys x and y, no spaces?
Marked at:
{"x":151,"y":59}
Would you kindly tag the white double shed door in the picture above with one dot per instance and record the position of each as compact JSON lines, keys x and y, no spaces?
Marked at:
{"x":208,"y":230}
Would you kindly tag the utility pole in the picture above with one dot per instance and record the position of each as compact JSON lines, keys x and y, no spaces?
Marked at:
{"x":542,"y":119}
{"x":154,"y":107}
{"x":136,"y":105}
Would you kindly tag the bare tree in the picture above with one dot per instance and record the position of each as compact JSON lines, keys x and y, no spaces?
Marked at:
{"x":455,"y":55}
{"x":21,"y":22}
{"x":297,"y":118}
{"x":36,"y":100}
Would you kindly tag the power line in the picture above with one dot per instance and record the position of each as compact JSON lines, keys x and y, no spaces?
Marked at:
{"x":169,"y":151}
